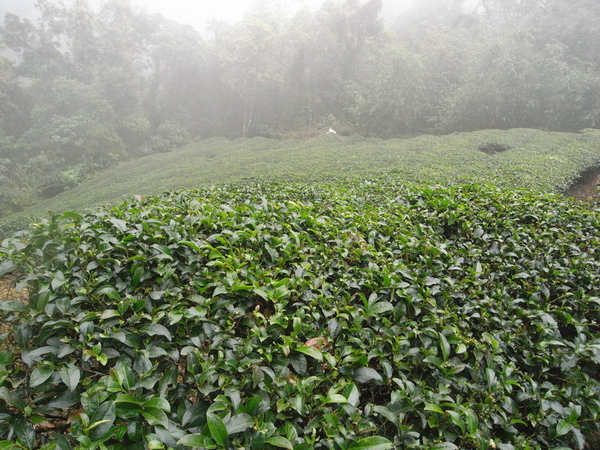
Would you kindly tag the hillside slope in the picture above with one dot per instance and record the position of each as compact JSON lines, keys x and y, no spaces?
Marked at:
{"x":519,"y":158}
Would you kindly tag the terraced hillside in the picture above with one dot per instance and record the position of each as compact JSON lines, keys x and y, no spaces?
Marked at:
{"x":519,"y":158}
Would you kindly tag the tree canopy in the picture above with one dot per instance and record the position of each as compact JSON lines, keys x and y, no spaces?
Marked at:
{"x":83,"y":86}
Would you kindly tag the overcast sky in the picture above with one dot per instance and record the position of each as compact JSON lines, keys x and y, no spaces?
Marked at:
{"x":199,"y":12}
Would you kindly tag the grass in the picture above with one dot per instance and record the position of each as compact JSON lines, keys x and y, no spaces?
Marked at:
{"x":534,"y":159}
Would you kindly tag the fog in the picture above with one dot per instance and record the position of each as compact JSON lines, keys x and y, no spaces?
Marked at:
{"x":200,"y":14}
{"x":85,"y":84}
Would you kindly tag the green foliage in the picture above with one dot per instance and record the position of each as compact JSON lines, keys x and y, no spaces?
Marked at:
{"x":450,"y":67}
{"x":370,"y":315}
{"x":93,"y":85}
{"x":169,"y":136}
{"x":533,"y":159}
{"x":552,"y":98}
{"x":135,"y":130}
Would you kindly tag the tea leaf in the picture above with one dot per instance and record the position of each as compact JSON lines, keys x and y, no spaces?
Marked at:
{"x":280,"y":442}
{"x":239,"y":423}
{"x":371,"y":443}
{"x":70,"y":375}
{"x":155,"y":416}
{"x":101,"y":421}
{"x":310,"y":351}
{"x":40,"y":375}
{"x":194,"y":440}
{"x":217,"y":429}
{"x":366,"y":374}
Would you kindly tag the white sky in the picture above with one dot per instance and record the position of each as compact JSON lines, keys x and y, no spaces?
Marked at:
{"x":198,"y":12}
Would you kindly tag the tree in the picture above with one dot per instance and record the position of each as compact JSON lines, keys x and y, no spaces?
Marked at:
{"x":347,"y":34}
{"x":72,"y":121}
{"x":523,"y":73}
{"x":184,"y":87}
{"x":387,"y":103}
{"x":13,"y":102}
{"x":124,"y":36}
{"x":252,"y":60}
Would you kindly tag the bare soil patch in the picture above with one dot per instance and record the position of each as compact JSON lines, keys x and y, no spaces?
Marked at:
{"x":492,"y":148}
{"x":586,"y":186}
{"x":9,"y":293}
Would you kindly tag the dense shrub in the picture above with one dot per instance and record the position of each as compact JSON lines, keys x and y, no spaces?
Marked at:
{"x":299,"y":317}
{"x":169,"y":136}
{"x":533,"y":159}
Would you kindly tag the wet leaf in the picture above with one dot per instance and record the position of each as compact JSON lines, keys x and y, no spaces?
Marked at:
{"x":101,"y":421}
{"x":371,"y":443}
{"x":217,"y":429}
{"x":156,"y":329}
{"x":7,"y":266}
{"x":434,"y":408}
{"x":239,"y":423}
{"x":445,"y":347}
{"x":563,"y":427}
{"x":194,"y":440}
{"x":310,"y":351}
{"x":108,"y":291}
{"x":40,"y":375}
{"x":366,"y":374}
{"x":155,"y":416}
{"x":279,"y":442}
{"x":335,"y":398}
{"x":352,"y":394}
{"x":70,"y":375}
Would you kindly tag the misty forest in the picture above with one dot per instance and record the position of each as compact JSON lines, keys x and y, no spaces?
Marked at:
{"x":329,"y":229}
{"x":84,"y":88}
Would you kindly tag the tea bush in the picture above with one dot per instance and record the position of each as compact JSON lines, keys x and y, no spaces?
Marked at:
{"x":534,"y":159}
{"x":369,"y":315}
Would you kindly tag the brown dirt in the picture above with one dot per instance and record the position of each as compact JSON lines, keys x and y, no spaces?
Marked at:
{"x":7,"y":293}
{"x":586,"y":186}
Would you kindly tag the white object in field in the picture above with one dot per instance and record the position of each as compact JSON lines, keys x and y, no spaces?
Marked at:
{"x":331,"y":131}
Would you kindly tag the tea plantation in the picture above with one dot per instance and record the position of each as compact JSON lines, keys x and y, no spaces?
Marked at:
{"x":361,"y":315}
{"x":513,"y":159}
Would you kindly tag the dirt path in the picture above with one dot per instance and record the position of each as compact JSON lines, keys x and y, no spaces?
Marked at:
{"x":586,"y":186}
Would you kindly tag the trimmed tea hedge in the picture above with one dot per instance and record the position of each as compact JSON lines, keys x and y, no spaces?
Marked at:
{"x":288,"y":316}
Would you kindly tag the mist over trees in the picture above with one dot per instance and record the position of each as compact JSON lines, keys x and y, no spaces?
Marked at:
{"x":83,"y":87}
